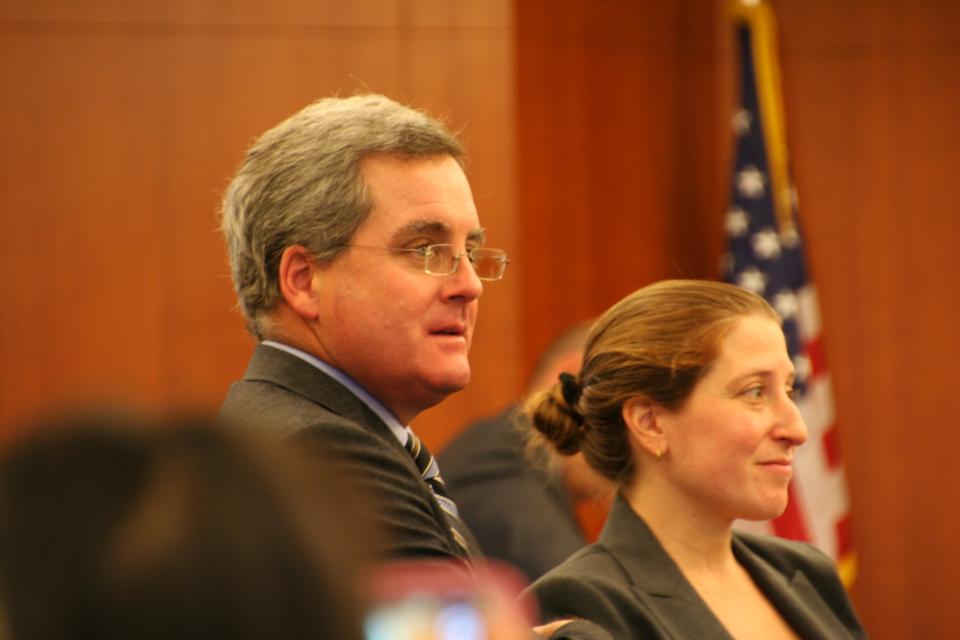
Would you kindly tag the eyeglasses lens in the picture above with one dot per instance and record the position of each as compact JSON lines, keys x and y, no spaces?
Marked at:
{"x":489,"y":264}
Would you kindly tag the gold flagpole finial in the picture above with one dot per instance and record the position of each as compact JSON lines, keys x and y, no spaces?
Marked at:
{"x":758,"y":17}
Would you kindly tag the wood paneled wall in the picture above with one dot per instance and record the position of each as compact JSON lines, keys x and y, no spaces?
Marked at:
{"x":122,"y":123}
{"x":873,"y":93}
{"x":621,"y":155}
{"x":599,"y":143}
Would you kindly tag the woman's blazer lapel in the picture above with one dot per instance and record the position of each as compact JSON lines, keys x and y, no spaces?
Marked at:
{"x":793,"y":591}
{"x":656,"y":578}
{"x":679,"y":610}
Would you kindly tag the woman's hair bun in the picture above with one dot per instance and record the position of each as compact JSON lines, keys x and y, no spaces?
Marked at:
{"x":553,"y":416}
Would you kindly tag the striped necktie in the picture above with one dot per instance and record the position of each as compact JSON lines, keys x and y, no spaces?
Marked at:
{"x":430,"y":473}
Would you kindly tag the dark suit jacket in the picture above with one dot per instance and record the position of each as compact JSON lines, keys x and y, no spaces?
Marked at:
{"x":626,"y":586}
{"x":517,"y":510}
{"x":294,"y":399}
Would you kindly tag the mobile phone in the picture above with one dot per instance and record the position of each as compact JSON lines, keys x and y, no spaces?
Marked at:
{"x":442,"y":601}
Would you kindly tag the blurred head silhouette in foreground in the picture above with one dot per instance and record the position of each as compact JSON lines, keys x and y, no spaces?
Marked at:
{"x":118,"y":527}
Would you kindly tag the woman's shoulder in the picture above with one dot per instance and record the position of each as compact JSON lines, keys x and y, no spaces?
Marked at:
{"x":592,"y":562}
{"x":593,"y":587}
{"x":591,"y":575}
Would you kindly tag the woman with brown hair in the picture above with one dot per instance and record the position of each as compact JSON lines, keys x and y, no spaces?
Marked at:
{"x":685,"y":400}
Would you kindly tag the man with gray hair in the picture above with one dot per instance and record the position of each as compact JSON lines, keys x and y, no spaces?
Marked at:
{"x":347,"y":226}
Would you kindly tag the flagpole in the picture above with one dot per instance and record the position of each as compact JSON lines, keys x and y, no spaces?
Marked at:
{"x":758,"y":15}
{"x":766,"y":255}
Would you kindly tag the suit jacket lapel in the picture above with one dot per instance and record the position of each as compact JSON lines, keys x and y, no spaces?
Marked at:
{"x":302,"y":378}
{"x":795,"y":596}
{"x":655,"y":577}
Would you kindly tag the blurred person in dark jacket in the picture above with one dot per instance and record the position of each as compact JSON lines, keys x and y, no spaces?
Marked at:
{"x":517,"y":501}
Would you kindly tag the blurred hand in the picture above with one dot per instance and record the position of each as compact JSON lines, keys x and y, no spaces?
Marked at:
{"x":547,"y":630}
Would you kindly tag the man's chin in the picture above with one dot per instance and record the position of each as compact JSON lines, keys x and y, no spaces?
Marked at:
{"x":435,"y":390}
{"x":451,"y":381}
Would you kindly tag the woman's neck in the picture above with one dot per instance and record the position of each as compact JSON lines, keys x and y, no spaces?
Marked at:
{"x":697,"y":540}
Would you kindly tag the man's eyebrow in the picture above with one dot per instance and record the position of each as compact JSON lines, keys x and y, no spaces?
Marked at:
{"x":477,"y":236}
{"x":433,"y":228}
{"x":437,"y":229}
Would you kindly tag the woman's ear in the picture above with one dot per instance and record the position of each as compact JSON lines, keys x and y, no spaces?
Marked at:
{"x":640,"y":415}
{"x":299,"y":276}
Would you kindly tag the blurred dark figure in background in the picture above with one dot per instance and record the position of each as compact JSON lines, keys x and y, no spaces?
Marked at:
{"x":518,"y":503}
{"x":112,"y":528}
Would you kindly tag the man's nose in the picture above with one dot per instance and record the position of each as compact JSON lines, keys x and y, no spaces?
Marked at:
{"x":464,"y":283}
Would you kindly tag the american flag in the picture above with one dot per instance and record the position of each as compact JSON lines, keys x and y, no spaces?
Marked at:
{"x":766,"y":255}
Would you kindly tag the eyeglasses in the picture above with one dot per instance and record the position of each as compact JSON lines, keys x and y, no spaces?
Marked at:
{"x":442,"y":259}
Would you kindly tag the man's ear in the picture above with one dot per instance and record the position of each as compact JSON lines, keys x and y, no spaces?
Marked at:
{"x":298,"y":276}
{"x":641,"y":416}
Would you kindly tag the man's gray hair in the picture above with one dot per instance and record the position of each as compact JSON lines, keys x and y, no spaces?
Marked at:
{"x":300,"y":184}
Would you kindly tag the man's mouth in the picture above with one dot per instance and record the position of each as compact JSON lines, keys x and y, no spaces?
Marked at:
{"x":449,"y":331}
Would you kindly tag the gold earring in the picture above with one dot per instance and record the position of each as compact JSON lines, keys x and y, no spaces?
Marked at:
{"x":659,"y":455}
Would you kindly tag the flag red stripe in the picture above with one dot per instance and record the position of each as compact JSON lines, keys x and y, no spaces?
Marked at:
{"x":844,"y":536}
{"x":818,"y":365}
{"x":831,"y":446}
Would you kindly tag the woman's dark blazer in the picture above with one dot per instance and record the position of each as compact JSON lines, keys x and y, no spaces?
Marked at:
{"x":626,"y":586}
